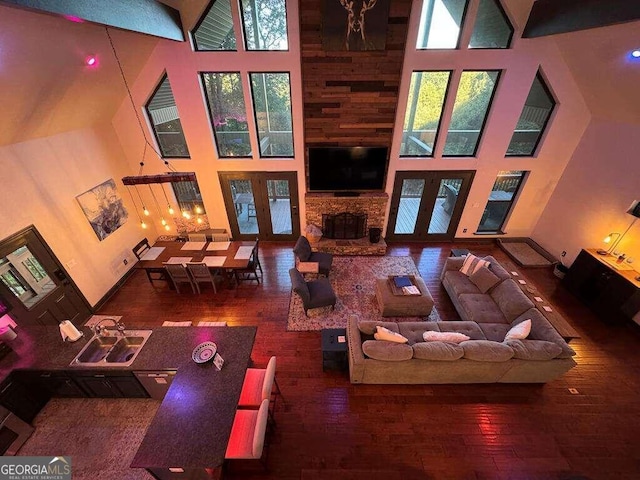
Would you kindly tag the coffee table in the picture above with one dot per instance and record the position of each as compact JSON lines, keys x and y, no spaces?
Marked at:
{"x":403,"y":305}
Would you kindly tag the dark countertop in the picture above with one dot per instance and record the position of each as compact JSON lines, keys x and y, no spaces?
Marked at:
{"x":192,"y":425}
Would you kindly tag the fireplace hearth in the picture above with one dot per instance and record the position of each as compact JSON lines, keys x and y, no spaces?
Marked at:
{"x":344,"y":226}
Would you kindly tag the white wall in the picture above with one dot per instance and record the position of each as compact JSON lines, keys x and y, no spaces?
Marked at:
{"x":598,"y":186}
{"x":519,"y":65}
{"x":40,"y":181}
{"x":183,"y":66}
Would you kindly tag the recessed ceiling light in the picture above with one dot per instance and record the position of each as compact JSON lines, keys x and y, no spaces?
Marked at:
{"x":91,"y":61}
{"x":635,"y":54}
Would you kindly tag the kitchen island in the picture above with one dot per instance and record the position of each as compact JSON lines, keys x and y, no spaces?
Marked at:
{"x":188,"y":436}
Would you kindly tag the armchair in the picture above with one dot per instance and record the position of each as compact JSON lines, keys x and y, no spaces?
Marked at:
{"x":314,"y":294}
{"x":303,"y":253}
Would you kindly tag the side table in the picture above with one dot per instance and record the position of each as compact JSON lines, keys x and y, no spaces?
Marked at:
{"x":334,"y":349}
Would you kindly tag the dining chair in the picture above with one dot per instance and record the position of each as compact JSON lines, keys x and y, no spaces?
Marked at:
{"x":178,"y":274}
{"x":250,"y":273}
{"x":152,"y":274}
{"x":141,"y":248}
{"x":197,"y":237}
{"x":248,"y":434}
{"x":220,"y":237}
{"x":258,"y":386}
{"x":200,"y":273}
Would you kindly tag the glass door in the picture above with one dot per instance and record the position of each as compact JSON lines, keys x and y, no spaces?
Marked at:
{"x":34,"y":285}
{"x":262,"y":205}
{"x":427,"y":205}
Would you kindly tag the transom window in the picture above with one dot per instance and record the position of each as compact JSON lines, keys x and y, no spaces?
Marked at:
{"x":214,"y":30}
{"x":265,"y":24}
{"x":189,"y":199}
{"x":470,"y":110}
{"x":271,"y":94}
{"x":227,"y":112}
{"x":441,"y":23}
{"x":427,"y":94}
{"x":501,"y":200}
{"x":164,"y":117}
{"x":533,"y":119}
{"x":492,"y":28}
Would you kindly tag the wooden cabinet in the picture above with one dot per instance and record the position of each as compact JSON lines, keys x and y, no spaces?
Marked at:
{"x":20,"y":398}
{"x":104,"y":384}
{"x":609,"y":293}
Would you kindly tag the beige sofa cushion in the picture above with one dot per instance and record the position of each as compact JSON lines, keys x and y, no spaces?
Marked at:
{"x":471,"y":329}
{"x":484,"y":279}
{"x":440,"y":351}
{"x":460,"y":283}
{"x":541,"y":329}
{"x":494,"y":331}
{"x":414,"y":330}
{"x":368,"y":327}
{"x":510,"y":299}
{"x":486,"y":351}
{"x":387,"y":351}
{"x":481,"y":308}
{"x":534,"y":349}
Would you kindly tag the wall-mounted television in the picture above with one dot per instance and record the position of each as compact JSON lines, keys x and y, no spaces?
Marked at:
{"x":352,"y":169}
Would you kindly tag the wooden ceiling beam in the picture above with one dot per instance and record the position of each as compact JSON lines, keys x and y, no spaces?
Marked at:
{"x":550,"y":17}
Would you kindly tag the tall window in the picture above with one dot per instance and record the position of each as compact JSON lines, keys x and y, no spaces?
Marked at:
{"x":214,"y":30}
{"x":163,"y":113}
{"x":533,"y":119}
{"x":272,"y":106}
{"x":265,"y":24}
{"x":492,"y":28}
{"x":427,"y":94}
{"x":470,"y":110}
{"x":227,"y":113}
{"x":501,"y":200}
{"x":441,"y":23}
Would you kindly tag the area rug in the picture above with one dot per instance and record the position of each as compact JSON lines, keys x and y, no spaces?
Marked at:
{"x":353,"y":280}
{"x":525,"y":254}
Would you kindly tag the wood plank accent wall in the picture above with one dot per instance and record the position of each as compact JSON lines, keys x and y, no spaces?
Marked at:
{"x":350,"y":97}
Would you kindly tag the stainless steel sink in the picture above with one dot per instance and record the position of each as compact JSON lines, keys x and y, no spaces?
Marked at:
{"x":117,"y":350}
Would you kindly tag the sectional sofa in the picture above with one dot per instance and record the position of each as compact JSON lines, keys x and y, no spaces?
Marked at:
{"x":485,"y":358}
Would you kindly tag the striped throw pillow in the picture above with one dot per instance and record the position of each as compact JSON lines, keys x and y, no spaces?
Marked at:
{"x":472,"y":264}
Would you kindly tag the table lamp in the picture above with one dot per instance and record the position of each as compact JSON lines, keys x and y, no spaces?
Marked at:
{"x":607,"y":240}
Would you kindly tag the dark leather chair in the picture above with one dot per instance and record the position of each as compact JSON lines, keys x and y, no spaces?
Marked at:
{"x":315,"y":293}
{"x":303,"y":252}
{"x":451,"y":196}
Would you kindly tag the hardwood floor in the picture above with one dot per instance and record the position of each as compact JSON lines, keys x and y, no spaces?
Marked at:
{"x":330,"y":429}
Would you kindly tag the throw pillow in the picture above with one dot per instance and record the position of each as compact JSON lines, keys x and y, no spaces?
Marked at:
{"x":519,"y":331}
{"x":484,"y":279}
{"x":471,"y":264}
{"x":453,"y":337}
{"x":389,"y":336}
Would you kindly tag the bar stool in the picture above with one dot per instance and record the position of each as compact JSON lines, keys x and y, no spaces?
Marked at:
{"x":258,"y":386}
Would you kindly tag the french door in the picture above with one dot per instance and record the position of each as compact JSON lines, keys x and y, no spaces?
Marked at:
{"x":33,"y":284}
{"x":427,"y":205}
{"x":262,"y":205}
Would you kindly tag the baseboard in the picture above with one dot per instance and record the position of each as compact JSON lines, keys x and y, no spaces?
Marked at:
{"x":112,"y":290}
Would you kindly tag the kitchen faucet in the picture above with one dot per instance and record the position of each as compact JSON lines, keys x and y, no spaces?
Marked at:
{"x":99,"y":329}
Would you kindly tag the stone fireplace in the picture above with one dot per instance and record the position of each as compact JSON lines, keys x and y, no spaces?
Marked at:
{"x":369,"y":207}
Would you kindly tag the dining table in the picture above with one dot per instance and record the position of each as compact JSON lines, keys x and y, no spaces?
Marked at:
{"x":226,"y":257}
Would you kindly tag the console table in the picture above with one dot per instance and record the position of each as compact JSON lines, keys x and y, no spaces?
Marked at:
{"x":611,"y":293}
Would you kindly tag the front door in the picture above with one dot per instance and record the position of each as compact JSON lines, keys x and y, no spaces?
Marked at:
{"x":427,"y":205}
{"x":34,"y":285}
{"x":262,"y":205}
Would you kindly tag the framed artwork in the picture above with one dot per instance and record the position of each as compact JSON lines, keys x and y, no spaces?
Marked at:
{"x":355,"y":25}
{"x":103,"y":207}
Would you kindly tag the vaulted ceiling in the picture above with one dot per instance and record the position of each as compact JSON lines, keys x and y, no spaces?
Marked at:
{"x":47,"y":89}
